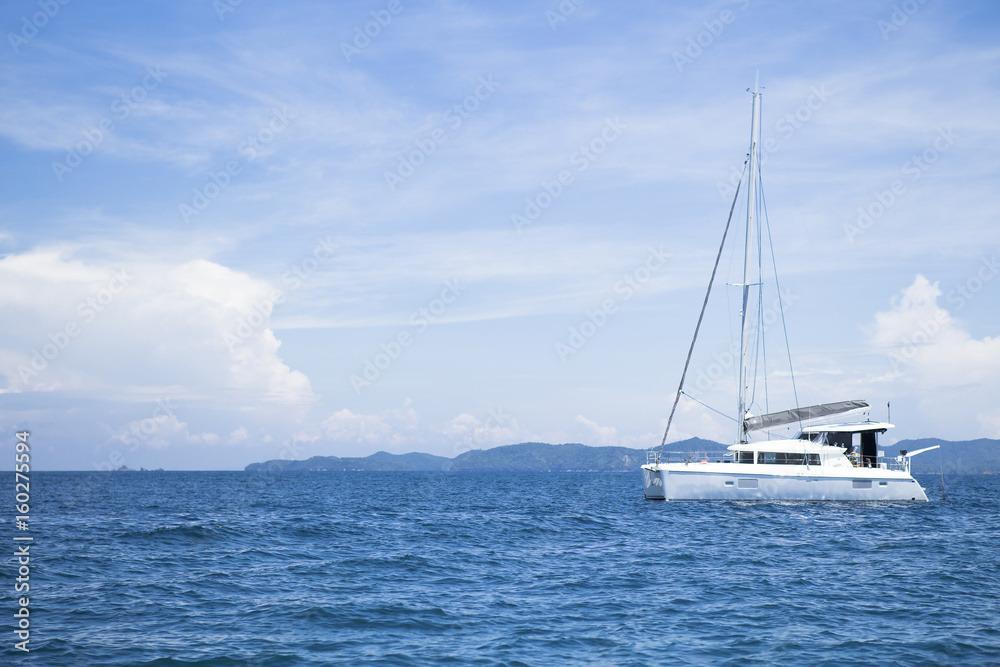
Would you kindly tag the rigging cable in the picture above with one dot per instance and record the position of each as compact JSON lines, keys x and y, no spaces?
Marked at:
{"x":781,"y":305}
{"x":760,"y":295}
{"x":718,"y":412}
{"x":944,"y":496}
{"x":704,"y":304}
{"x":763,"y":354}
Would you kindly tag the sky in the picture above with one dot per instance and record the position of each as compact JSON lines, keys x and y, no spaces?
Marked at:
{"x":234,"y":231}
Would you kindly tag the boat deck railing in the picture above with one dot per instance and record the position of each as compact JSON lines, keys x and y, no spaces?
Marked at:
{"x":882,"y":462}
{"x":655,"y":457}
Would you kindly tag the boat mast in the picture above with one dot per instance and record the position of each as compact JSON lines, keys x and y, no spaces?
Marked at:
{"x":753,"y":187}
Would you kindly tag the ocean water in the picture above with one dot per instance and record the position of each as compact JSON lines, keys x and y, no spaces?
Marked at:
{"x":264,"y":569}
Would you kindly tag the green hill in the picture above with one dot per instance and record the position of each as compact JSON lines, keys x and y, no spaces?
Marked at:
{"x":380,"y":461}
{"x":537,"y":456}
{"x":968,"y":456}
{"x":526,"y":456}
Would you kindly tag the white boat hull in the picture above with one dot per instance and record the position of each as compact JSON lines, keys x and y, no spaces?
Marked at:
{"x":652,"y":484}
{"x":756,"y":482}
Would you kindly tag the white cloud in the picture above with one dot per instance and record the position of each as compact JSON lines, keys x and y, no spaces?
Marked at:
{"x":934,"y":359}
{"x":398,"y":429}
{"x":603,"y":435}
{"x":390,"y":428}
{"x":237,"y":436}
{"x":155,"y":432}
{"x":462,"y":425}
{"x":204,"y":438}
{"x":926,"y":344}
{"x":468,"y":432}
{"x":96,"y":325}
{"x":990,"y":423}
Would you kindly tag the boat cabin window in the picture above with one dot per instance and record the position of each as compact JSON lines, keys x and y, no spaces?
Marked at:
{"x":744,"y":457}
{"x":788,"y":458}
{"x":841,"y":440}
{"x":860,"y":446}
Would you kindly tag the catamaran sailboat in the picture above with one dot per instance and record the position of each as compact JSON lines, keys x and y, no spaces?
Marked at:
{"x":831,"y":458}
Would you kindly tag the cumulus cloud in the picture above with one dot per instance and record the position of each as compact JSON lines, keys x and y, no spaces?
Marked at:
{"x":930,"y":353}
{"x":347,"y":426}
{"x":204,"y":438}
{"x":153,"y":432}
{"x":100,"y":326}
{"x":388,"y":428}
{"x":604,"y":435}
{"x":462,"y":425}
{"x":238,"y":435}
{"x":469,"y":432}
{"x":925,"y":344}
{"x":159,"y":432}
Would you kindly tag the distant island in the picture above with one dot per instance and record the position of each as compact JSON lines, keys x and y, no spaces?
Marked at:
{"x":969,"y":456}
{"x":980,"y":456}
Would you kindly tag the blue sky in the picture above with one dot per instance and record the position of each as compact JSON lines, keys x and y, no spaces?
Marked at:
{"x":233,"y":231}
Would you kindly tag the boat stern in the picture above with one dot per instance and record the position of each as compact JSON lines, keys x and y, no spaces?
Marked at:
{"x":652,"y":482}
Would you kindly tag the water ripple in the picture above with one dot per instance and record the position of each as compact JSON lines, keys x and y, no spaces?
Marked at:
{"x":216,"y":569}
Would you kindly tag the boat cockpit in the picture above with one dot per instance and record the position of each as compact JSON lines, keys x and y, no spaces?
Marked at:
{"x":859,"y":441}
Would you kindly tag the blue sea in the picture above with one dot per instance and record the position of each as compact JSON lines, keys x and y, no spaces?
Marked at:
{"x":266,"y":569}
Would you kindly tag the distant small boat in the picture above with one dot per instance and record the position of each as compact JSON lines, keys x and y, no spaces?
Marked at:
{"x":828,"y":460}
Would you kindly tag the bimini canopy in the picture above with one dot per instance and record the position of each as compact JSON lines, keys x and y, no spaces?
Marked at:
{"x":800,"y":414}
{"x":849,"y":428}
